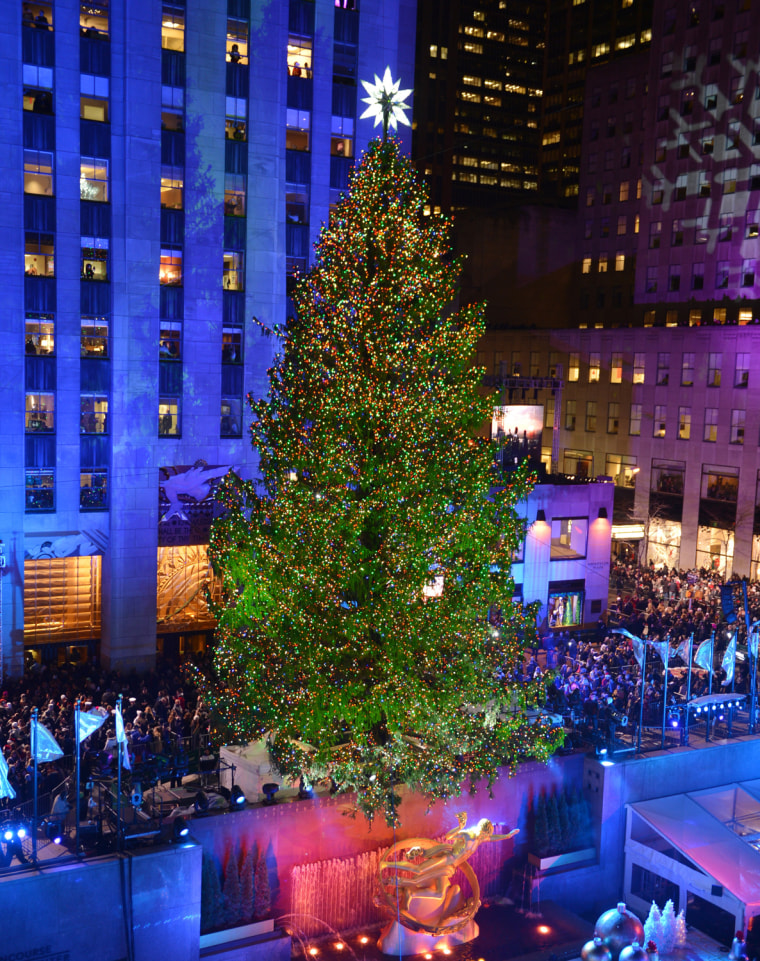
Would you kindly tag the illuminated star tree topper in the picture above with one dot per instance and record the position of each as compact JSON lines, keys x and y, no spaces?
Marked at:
{"x":386,"y":102}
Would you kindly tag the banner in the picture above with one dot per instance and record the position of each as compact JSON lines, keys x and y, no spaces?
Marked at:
{"x":89,"y":722}
{"x":729,"y":662}
{"x":638,"y":645}
{"x":121,"y":737}
{"x":44,"y":745}
{"x":5,"y":785}
{"x":704,"y":656}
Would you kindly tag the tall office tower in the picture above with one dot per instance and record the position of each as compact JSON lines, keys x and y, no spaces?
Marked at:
{"x":579,"y":34}
{"x":164,"y":168}
{"x":477,"y":99}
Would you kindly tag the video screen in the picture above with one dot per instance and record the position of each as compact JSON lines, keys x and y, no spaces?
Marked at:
{"x":565,"y":609}
{"x":517,"y":428}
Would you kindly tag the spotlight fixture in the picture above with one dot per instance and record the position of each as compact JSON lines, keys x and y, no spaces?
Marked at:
{"x":180,"y":828}
{"x":541,"y":516}
{"x":269,"y":791}
{"x":237,"y":798}
{"x":201,"y":802}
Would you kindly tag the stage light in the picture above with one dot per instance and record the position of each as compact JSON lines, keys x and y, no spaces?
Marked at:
{"x":180,"y":828}
{"x":201,"y":802}
{"x":699,"y":710}
{"x":313,"y":951}
{"x":338,"y":945}
{"x":364,"y":939}
{"x":720,"y":717}
{"x":21,"y":832}
{"x":543,"y":929}
{"x":8,"y":834}
{"x":269,"y":791}
{"x":237,"y":798}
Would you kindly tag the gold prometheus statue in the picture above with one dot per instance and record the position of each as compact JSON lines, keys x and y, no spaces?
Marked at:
{"x":418,"y":889}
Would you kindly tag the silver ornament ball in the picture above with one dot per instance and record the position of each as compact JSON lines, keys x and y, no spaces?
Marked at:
{"x":618,"y":928}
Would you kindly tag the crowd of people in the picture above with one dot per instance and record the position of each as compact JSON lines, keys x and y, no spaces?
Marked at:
{"x":598,"y":680}
{"x":161,"y":709}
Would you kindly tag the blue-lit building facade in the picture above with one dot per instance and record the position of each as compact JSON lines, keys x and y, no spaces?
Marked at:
{"x":164,"y":169}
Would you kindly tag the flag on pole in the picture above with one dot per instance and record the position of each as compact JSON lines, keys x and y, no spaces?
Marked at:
{"x":89,"y":722}
{"x":44,"y":745}
{"x":6,"y":790}
{"x":682,"y":650}
{"x":704,"y":656}
{"x":638,"y":644}
{"x":753,"y":638}
{"x":663,"y":649}
{"x":121,"y":737}
{"x":729,"y":662}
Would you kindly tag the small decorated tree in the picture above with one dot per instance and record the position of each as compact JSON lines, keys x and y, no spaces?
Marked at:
{"x":652,"y":929}
{"x":263,"y":900}
{"x":247,"y":887}
{"x":680,"y":929}
{"x":212,"y":902}
{"x":232,"y":903}
{"x":667,"y":928}
{"x":541,"y":828}
{"x":552,"y":820}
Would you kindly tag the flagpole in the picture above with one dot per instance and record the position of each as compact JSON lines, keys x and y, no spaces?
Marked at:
{"x":118,"y":786}
{"x":77,"y":775}
{"x":688,"y":692}
{"x":712,"y":664}
{"x":35,"y":749}
{"x":753,"y":663}
{"x":665,"y":694}
{"x":641,"y":698}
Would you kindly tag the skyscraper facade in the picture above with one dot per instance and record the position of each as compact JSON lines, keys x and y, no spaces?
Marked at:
{"x":165,"y":169}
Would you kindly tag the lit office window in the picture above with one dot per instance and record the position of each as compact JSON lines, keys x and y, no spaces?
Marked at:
{"x":94,"y":341}
{"x":93,"y":179}
{"x":173,"y":27}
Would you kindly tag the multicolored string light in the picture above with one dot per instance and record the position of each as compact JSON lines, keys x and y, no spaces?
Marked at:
{"x":373,"y":482}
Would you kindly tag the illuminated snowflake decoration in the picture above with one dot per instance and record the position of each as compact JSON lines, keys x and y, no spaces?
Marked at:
{"x":386,"y":101}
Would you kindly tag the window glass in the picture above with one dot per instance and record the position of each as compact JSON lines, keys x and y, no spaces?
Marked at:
{"x":90,"y":108}
{"x":38,"y":88}
{"x":594,"y":364}
{"x":38,"y":15}
{"x":173,"y":27}
{"x":235,"y":122}
{"x":94,"y":342}
{"x":634,"y":427}
{"x":296,"y":204}
{"x":298,"y":129}
{"x":342,"y":139}
{"x":714,"y":364}
{"x":39,"y":259}
{"x":237,"y":40}
{"x":170,"y":271}
{"x":568,"y":537}
{"x":40,"y":412}
{"x":170,"y":343}
{"x":231,"y":423}
{"x":172,"y":187}
{"x":719,"y":486}
{"x":40,"y":334}
{"x":94,"y":258}
{"x":38,"y":172}
{"x":93,"y":179}
{"x":234,"y":195}
{"x":93,"y":20}
{"x":659,"y":422}
{"x":93,"y":414}
{"x":711,"y":425}
{"x":742,"y":370}
{"x":93,"y":490}
{"x":233,"y":274}
{"x":737,"y":427}
{"x":687,"y":370}
{"x":573,"y":367}
{"x":40,"y":490}
{"x":168,"y":417}
{"x":232,"y":345}
{"x":299,"y":57}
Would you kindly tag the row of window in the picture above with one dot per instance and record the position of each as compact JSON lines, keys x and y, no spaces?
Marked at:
{"x":620,"y":367}
{"x":659,"y":421}
{"x":40,"y":490}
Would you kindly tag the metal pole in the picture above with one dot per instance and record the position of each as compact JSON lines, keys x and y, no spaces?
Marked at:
{"x":77,"y":775}
{"x":641,"y":699}
{"x":35,"y":742}
{"x":709,"y":709}
{"x":118,"y":785}
{"x":665,"y":696}
{"x":688,"y":692}
{"x":753,"y":694}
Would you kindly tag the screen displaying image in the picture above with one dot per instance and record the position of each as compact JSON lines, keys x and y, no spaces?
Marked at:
{"x":517,"y":428}
{"x":565,"y":609}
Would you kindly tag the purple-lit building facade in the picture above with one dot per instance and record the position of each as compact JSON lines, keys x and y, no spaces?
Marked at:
{"x":658,"y":361}
{"x":164,"y":169}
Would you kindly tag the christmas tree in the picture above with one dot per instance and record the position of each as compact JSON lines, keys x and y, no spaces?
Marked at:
{"x":247,"y":887}
{"x":263,"y":894}
{"x":667,"y":928}
{"x":358,"y":574}
{"x":212,"y":902}
{"x":232,"y":903}
{"x":652,"y":925}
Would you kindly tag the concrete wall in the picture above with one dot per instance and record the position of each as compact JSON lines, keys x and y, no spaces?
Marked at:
{"x":90,"y":909}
